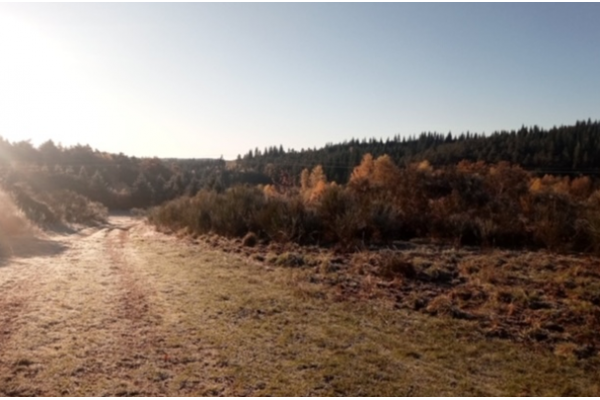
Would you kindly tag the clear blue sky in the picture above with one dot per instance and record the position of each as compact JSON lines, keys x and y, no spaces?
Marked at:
{"x":205,"y":80}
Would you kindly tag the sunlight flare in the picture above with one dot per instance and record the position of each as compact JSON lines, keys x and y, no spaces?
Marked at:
{"x":43,"y":91}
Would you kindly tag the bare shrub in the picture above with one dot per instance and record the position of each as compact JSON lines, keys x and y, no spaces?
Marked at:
{"x":552,"y":220}
{"x":37,"y":211}
{"x":473,"y":203}
{"x":590,"y":223}
{"x":72,"y":207}
{"x":231,"y":213}
{"x":236,"y":213}
{"x":287,"y":219}
{"x":507,"y":180}
{"x":341,"y":217}
{"x":50,"y":207}
{"x":12,"y":220}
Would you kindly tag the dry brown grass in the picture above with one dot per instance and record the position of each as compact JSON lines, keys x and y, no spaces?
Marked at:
{"x":539,"y":298}
{"x":126,"y":310}
{"x":12,"y":220}
{"x":18,"y":236}
{"x":333,"y":325}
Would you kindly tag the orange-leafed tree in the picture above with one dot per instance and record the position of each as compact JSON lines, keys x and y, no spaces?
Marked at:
{"x":313,"y":184}
{"x":385,"y":172}
{"x":360,"y":180}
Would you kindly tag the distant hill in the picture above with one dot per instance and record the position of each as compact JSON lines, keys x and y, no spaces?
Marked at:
{"x":122,"y":182}
{"x":115,"y":180}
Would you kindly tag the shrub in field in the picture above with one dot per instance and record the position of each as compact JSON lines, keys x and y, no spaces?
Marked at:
{"x":552,"y":219}
{"x":286,"y":219}
{"x":341,"y":217}
{"x":71,"y":207}
{"x":482,"y":204}
{"x":469,"y":204}
{"x":381,"y":191}
{"x":172,"y":215}
{"x":35,"y":210}
{"x":589,"y":223}
{"x":381,"y":207}
{"x":383,"y":223}
{"x":506,"y":185}
{"x":51,"y":207}
{"x":12,"y":220}
{"x":232,"y":213}
{"x":13,"y":223}
{"x":200,"y":211}
{"x":411,"y":199}
{"x":507,"y":180}
{"x":235,"y":214}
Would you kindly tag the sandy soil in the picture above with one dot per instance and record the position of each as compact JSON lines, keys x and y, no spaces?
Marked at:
{"x":76,"y":318}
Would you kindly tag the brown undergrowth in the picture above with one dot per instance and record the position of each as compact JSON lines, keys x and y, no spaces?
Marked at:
{"x":469,"y":204}
{"x":534,"y":297}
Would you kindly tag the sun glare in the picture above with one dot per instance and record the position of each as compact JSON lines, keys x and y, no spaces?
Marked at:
{"x":43,"y":94}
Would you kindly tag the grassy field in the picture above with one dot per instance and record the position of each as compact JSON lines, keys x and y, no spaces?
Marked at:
{"x":125,"y":310}
{"x":286,"y":331}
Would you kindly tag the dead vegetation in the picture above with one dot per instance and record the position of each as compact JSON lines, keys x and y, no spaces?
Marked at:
{"x":472,"y":204}
{"x":13,"y":221}
{"x":537,"y":298}
{"x":528,"y":279}
{"x":490,"y":252}
{"x":52,"y":208}
{"x":415,"y":320}
{"x":15,"y":228}
{"x":124,"y":310}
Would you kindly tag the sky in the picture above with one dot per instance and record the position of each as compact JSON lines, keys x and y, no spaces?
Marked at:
{"x":199,"y":80}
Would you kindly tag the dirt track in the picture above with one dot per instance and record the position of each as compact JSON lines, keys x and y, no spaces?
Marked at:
{"x":79,"y":316}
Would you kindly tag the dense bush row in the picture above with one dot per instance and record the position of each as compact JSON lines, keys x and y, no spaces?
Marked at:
{"x":469,"y":204}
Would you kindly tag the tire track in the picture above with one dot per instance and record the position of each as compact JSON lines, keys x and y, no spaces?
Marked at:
{"x":138,"y":330}
{"x":11,"y":306}
{"x":177,"y":361}
{"x":94,"y":320}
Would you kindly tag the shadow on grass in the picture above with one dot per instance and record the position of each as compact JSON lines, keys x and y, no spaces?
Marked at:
{"x":27,"y":247}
